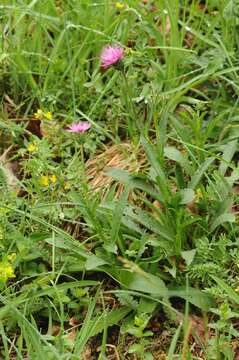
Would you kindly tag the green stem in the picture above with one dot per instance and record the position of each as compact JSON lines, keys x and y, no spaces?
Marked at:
{"x":133,"y":123}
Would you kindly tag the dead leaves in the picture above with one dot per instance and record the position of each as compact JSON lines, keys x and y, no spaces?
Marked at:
{"x":117,"y":156}
{"x":9,"y":170}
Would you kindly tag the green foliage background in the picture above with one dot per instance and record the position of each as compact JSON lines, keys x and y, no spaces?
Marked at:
{"x":167,"y":243}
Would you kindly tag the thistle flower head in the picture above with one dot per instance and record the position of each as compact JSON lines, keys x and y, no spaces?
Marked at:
{"x":80,"y":127}
{"x":111,"y":55}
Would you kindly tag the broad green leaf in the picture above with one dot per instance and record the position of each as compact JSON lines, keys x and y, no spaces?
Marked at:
{"x":93,"y":262}
{"x":142,"y":281}
{"x":146,"y":306}
{"x":174,"y":154}
{"x":194,"y":296}
{"x":188,"y":256}
{"x":187,"y":196}
{"x":144,"y":218}
{"x":131,"y":225}
{"x":74,"y":266}
{"x":146,"y":187}
{"x":228,"y":217}
{"x":111,"y":318}
{"x":233,"y":295}
{"x":58,"y":242}
{"x":110,"y":247}
{"x":134,"y":182}
{"x":121,"y":175}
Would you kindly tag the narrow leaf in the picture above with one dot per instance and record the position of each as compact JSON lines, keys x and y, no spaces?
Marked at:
{"x":118,"y":213}
{"x":199,"y":173}
{"x":227,"y":155}
{"x":225,"y":287}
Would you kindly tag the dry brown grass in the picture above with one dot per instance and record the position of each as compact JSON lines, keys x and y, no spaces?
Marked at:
{"x":123,"y":156}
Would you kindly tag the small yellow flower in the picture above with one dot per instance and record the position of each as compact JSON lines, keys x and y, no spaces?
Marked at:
{"x":44,"y":180}
{"x":39,"y":114}
{"x":199,"y":195}
{"x":119,"y":5}
{"x":48,"y":115}
{"x":9,"y":271}
{"x":129,"y":51}
{"x":31,"y":148}
{"x":53,"y":179}
{"x":67,"y":185}
{"x":6,"y":271}
{"x":12,"y":257}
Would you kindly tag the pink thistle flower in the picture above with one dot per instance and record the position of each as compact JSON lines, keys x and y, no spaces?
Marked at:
{"x":110,"y":56}
{"x":80,"y":127}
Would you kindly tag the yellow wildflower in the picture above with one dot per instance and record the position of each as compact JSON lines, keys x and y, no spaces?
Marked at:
{"x":39,"y":114}
{"x":129,"y":51}
{"x":67,"y":185}
{"x":199,"y":195}
{"x":44,"y":180}
{"x":119,"y":5}
{"x":53,"y":179}
{"x":9,"y":271}
{"x":12,"y":257}
{"x":6,"y":271}
{"x":31,"y":148}
{"x":48,"y":115}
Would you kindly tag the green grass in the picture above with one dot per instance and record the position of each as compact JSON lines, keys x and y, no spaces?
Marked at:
{"x":144,"y":264}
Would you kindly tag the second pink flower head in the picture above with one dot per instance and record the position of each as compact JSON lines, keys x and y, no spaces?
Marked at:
{"x":80,"y":127}
{"x":110,"y":56}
